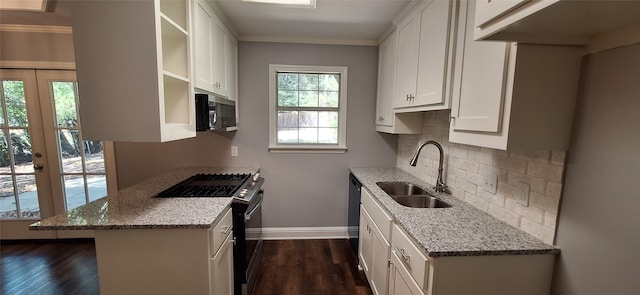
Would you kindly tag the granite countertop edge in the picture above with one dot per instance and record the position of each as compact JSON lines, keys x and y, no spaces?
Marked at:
{"x":461,"y":230}
{"x":135,"y":208}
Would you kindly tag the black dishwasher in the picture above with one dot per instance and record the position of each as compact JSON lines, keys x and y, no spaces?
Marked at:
{"x":354,"y":211}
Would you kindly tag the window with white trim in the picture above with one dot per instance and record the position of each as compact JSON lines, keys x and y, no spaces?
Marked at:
{"x":307,"y":108}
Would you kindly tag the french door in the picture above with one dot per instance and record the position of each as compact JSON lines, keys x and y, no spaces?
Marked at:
{"x":46,"y":167}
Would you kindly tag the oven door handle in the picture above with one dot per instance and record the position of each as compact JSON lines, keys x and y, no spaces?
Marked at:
{"x":248,"y":216}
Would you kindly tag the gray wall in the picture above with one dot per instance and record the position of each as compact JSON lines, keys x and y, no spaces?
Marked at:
{"x":301,"y":190}
{"x":599,"y":224}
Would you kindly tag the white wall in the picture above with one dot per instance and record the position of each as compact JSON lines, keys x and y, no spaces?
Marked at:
{"x":599,"y":224}
{"x":301,"y":190}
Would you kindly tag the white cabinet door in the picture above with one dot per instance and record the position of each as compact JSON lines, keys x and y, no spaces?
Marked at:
{"x":386,"y":80}
{"x":221,"y":269}
{"x":400,"y":281}
{"x":406,"y":65}
{"x":425,"y":49}
{"x":365,"y":246}
{"x":232,"y":69}
{"x":212,"y":50}
{"x":387,"y":120}
{"x":379,"y":273}
{"x":479,"y":95}
{"x":433,"y":54}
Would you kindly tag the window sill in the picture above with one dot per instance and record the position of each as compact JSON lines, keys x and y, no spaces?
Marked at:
{"x":308,"y":149}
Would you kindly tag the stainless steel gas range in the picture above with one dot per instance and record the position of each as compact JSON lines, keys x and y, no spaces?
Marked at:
{"x":246,"y":207}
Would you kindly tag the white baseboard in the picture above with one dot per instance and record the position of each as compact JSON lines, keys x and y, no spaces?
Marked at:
{"x":302,"y":233}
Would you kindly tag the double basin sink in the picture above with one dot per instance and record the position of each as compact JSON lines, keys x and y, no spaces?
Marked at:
{"x":411,"y":195}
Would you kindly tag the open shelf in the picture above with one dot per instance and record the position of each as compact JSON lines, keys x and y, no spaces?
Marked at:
{"x":177,"y":101}
{"x":176,"y":11}
{"x":175,"y":49}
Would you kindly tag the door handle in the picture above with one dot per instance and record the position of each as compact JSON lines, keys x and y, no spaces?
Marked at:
{"x":38,"y":167}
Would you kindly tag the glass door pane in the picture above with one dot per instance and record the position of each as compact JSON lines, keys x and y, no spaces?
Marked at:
{"x":82,"y":167}
{"x":18,"y":190}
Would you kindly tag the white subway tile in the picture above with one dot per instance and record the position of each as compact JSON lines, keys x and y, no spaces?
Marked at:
{"x":537,"y":230}
{"x":554,"y":189}
{"x":504,"y":215}
{"x":511,"y":164}
{"x":545,"y":171}
{"x":536,"y":184}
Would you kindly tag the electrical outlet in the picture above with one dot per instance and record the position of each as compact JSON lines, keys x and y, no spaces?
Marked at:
{"x":234,"y":150}
{"x":523,"y":194}
{"x":490,"y":183}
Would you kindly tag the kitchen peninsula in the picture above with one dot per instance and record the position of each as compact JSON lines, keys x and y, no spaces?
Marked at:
{"x":147,"y":245}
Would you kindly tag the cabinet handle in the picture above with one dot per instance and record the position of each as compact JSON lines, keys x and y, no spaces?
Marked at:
{"x":404,"y":256}
{"x":226,"y":230}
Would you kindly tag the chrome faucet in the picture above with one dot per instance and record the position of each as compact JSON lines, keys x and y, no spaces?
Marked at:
{"x":440,"y":186}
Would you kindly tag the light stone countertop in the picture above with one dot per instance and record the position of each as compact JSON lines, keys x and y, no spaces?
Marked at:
{"x":134,"y":207}
{"x":461,"y":230}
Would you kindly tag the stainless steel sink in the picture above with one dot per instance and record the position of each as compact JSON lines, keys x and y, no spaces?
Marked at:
{"x":410,"y":195}
{"x":420,"y":201}
{"x":401,"y":188}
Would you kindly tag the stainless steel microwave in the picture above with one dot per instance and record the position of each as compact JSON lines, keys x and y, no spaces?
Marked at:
{"x":215,"y":113}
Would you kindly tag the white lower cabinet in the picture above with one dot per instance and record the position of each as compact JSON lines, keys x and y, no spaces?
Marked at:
{"x":400,"y":280}
{"x":167,"y":261}
{"x":221,"y":269}
{"x":374,"y":245}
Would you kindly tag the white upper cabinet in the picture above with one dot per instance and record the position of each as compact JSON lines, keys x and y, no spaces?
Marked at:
{"x":134,"y":69}
{"x":566,"y":22}
{"x":387,"y":120}
{"x":426,"y":40}
{"x":213,"y":51}
{"x":510,"y":96}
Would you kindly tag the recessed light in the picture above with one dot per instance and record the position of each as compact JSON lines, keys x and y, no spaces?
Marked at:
{"x":23,"y":5}
{"x":287,"y":3}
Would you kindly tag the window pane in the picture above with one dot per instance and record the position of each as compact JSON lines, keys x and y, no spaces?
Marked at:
{"x":287,"y":119}
{"x":287,"y":98}
{"x":28,"y":195}
{"x":97,"y":186}
{"x":21,"y":148}
{"x":8,"y":206}
{"x":93,"y":156}
{"x":287,"y":135}
{"x":308,"y":98}
{"x":328,"y":119}
{"x":329,"y":99}
{"x":70,"y":151}
{"x":15,"y":102}
{"x":329,"y":82}
{"x":74,"y":191}
{"x":308,"y":135}
{"x":64,"y":103}
{"x":287,"y":81}
{"x":5,"y":165}
{"x":308,"y":119}
{"x":308,"y":81}
{"x":328,"y":135}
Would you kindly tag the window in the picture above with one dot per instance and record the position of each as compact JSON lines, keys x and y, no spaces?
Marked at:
{"x":307,"y":108}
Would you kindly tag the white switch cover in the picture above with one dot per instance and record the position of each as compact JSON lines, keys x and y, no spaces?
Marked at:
{"x":523,"y":194}
{"x":234,"y":150}
{"x":490,"y":183}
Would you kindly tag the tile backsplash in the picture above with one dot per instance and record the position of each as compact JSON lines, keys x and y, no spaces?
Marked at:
{"x":465,"y":165}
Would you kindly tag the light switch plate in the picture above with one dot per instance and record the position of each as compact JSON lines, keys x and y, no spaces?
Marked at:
{"x":234,"y":150}
{"x":523,"y":194}
{"x":490,"y":183}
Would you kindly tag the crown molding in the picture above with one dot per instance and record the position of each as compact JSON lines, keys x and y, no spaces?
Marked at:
{"x":35,"y":29}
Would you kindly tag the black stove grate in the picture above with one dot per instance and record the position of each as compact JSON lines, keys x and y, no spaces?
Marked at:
{"x":206,"y":186}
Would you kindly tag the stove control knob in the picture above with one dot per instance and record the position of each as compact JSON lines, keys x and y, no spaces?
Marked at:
{"x":256,"y":177}
{"x":243,"y":192}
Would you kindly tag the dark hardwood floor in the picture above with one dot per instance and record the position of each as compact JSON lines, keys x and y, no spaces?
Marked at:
{"x":291,"y":267}
{"x":52,"y":268}
{"x":294,"y":267}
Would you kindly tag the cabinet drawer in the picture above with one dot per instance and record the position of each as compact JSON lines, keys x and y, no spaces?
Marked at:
{"x":379,"y":216}
{"x":219,"y":232}
{"x":416,"y":263}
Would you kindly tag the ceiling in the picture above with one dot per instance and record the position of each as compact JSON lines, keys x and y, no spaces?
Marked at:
{"x":360,"y":22}
{"x":332,"y":21}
